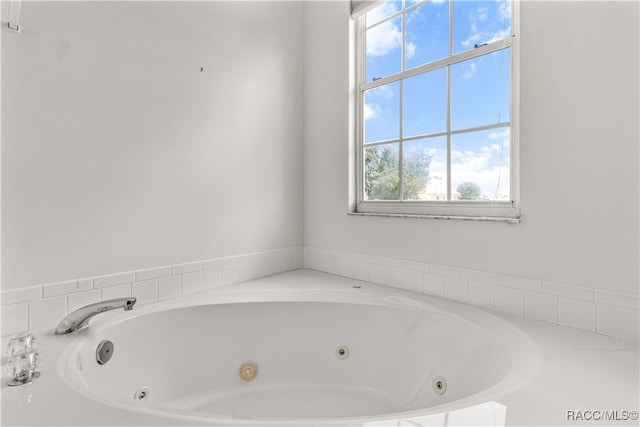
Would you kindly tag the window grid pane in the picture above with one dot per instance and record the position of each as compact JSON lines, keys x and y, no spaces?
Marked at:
{"x":382,"y":172}
{"x":427,"y":33}
{"x":480,"y":165}
{"x":451,"y":124}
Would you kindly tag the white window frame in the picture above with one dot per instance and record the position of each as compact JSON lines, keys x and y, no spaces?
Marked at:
{"x":452,"y":209}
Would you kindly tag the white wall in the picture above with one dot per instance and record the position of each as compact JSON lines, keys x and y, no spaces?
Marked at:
{"x":579,"y":154}
{"x":118,"y":153}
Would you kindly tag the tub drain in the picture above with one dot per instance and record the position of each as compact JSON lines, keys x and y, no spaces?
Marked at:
{"x":439,"y":385}
{"x":248,"y":370}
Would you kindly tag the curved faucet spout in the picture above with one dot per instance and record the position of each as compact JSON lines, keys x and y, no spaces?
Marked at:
{"x":81,"y":316}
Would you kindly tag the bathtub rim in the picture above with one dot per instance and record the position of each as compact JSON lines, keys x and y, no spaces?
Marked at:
{"x":525,"y":359}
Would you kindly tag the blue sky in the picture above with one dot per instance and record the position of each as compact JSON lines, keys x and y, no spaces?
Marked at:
{"x":480,"y":88}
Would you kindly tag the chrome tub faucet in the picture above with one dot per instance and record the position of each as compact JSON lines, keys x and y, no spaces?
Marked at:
{"x":80,"y":317}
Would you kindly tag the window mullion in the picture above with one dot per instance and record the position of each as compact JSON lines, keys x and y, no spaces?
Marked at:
{"x":449,"y":192}
{"x":449,"y":133}
{"x":450,"y":28}
{"x":400,"y":148}
{"x":361,"y":74}
{"x":400,"y":115}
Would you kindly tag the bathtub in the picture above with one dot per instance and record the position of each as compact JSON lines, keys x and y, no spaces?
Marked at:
{"x":298,"y":349}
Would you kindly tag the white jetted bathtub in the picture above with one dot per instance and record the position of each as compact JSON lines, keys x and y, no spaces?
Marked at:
{"x":284,"y":351}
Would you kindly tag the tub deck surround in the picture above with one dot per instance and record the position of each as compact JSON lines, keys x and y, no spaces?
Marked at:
{"x":571,"y":370}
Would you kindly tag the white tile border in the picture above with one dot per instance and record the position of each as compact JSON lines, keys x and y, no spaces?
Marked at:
{"x":114,"y":279}
{"x":188,"y":267}
{"x":576,"y":306}
{"x":64,"y":288}
{"x":569,"y":291}
{"x":581,"y":307}
{"x":16,"y":296}
{"x":152,"y":273}
{"x":617,"y":299}
{"x":42,"y":306}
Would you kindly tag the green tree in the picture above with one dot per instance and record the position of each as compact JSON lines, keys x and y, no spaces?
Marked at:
{"x":469,"y":191}
{"x":382,"y":177}
{"x":416,"y":174}
{"x":382,"y":174}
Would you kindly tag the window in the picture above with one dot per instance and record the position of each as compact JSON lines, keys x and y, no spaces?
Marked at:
{"x":435,"y":107}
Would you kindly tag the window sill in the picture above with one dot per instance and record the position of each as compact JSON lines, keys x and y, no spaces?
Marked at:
{"x":465,"y":211}
{"x":509,"y":220}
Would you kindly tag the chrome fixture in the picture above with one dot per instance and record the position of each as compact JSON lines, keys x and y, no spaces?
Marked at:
{"x":81,"y":316}
{"x":104,"y":352}
{"x":24,"y":360}
{"x":21,"y":343}
{"x":23,"y":367}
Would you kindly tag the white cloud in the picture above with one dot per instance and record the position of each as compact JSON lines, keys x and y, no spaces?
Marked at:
{"x":470,"y":71}
{"x":482,"y":14}
{"x":371,"y":111}
{"x":488,"y":149}
{"x":385,"y":92}
{"x":499,"y":35}
{"x":487,"y":35}
{"x":410,"y":50}
{"x":504,"y":8}
{"x":379,"y":13}
{"x":500,"y":135}
{"x":387,"y":36}
{"x":383,"y":39}
{"x":487,"y":167}
{"x":473,"y":38}
{"x":490,"y":37}
{"x":469,"y":160}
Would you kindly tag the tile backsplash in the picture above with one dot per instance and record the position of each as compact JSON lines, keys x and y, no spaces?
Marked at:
{"x":596,"y":310}
{"x":43,"y":306}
